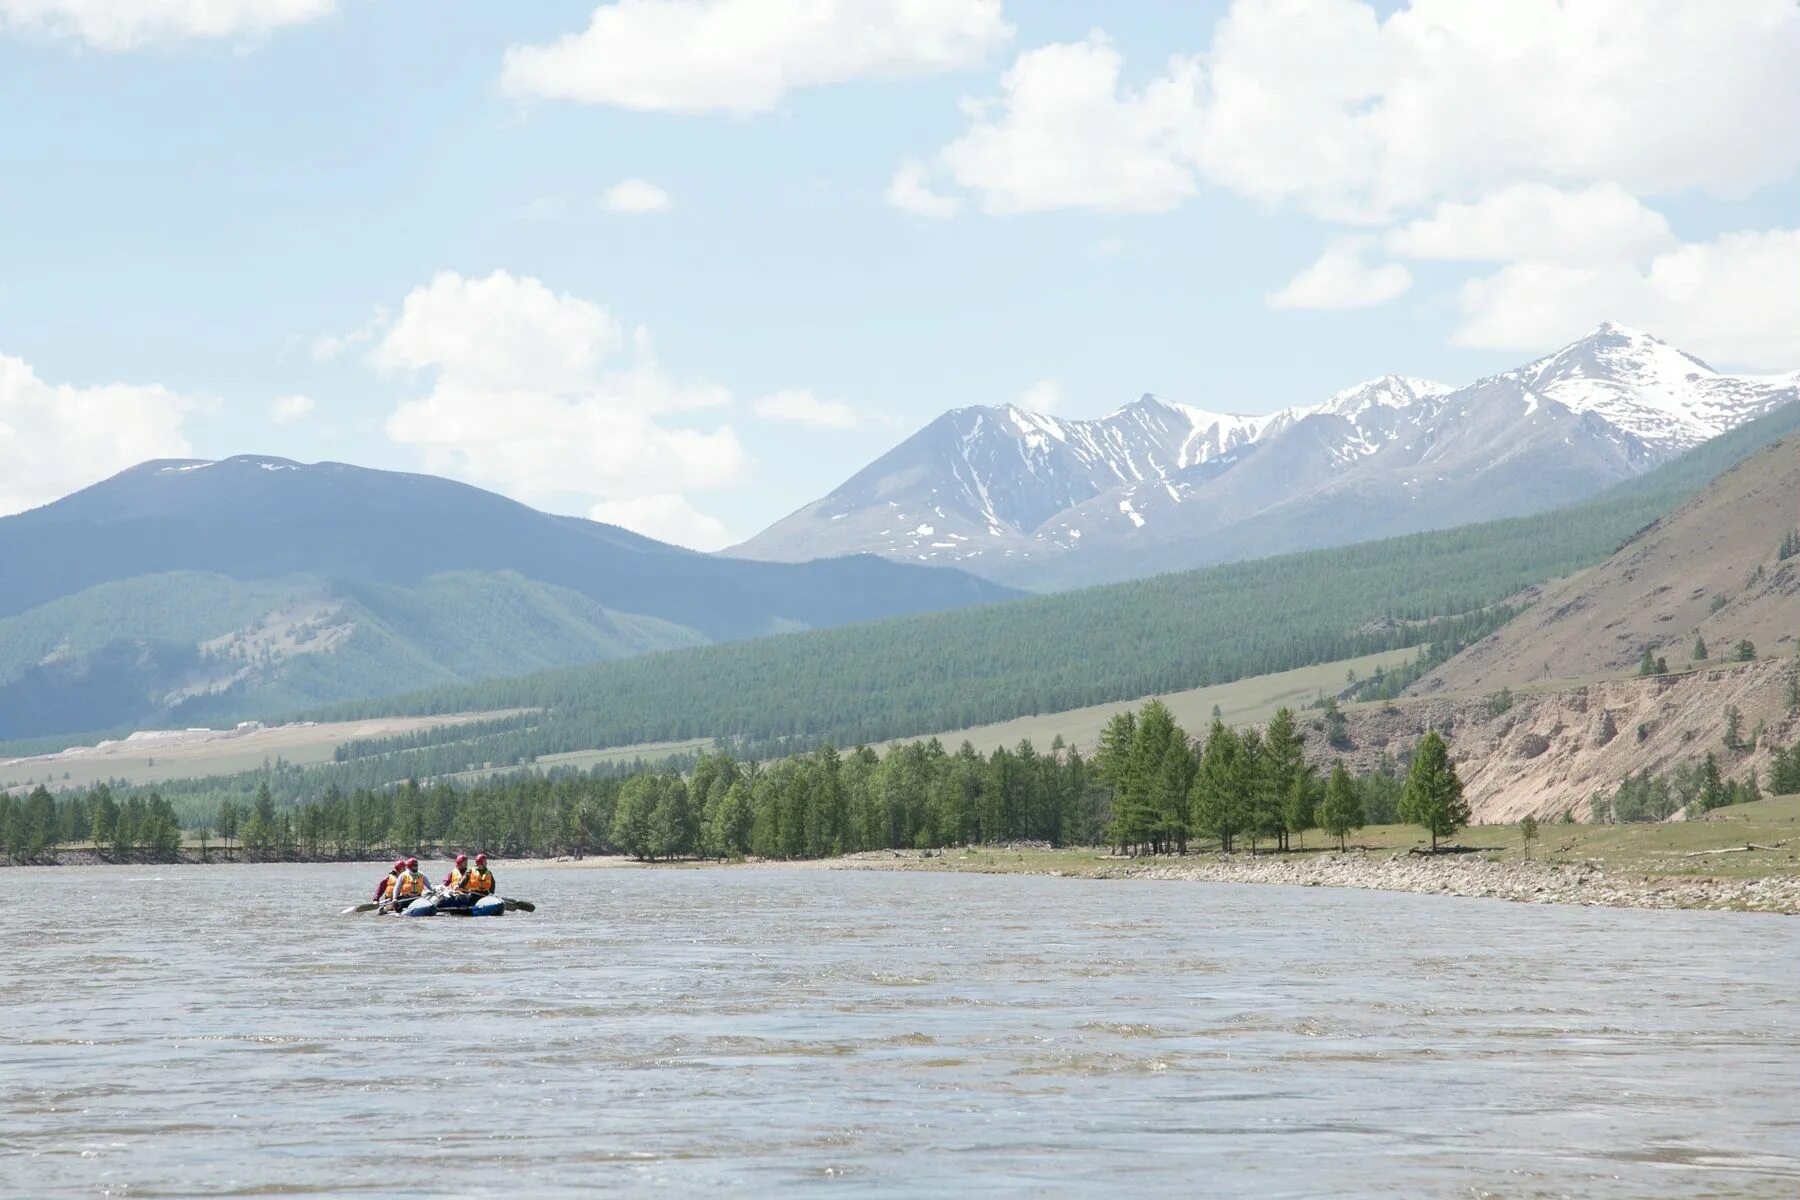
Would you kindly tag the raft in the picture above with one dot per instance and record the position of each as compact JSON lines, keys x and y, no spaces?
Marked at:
{"x":456,"y":905}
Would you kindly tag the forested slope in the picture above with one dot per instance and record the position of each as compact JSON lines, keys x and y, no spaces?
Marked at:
{"x":947,"y":670}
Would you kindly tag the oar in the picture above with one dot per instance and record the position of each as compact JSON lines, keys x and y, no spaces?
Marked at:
{"x":356,"y":908}
{"x":518,"y":905}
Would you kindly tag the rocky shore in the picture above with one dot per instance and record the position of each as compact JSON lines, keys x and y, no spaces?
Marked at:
{"x":1448,"y":875}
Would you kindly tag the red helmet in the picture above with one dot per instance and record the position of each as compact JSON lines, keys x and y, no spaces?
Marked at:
{"x":399,"y":864}
{"x":412,"y":863}
{"x":481,"y":859}
{"x":461,"y":859}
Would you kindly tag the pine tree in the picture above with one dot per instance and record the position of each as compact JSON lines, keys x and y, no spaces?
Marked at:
{"x":631,"y":830}
{"x":1154,"y":802}
{"x":1299,"y":811}
{"x":1433,"y":796}
{"x":1341,"y":813}
{"x":1712,"y":788}
{"x":1734,"y":727}
{"x":1744,"y":651}
{"x":1647,"y":664}
{"x":1216,"y":799}
{"x":1699,"y":648}
{"x":1283,"y":763}
{"x":730,"y":834}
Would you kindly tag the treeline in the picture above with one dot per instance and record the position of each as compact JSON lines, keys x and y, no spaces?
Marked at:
{"x":1147,"y":789}
{"x":138,"y":827}
{"x":1697,"y":787}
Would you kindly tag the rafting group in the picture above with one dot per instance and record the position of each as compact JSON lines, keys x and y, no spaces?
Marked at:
{"x":468,"y":890}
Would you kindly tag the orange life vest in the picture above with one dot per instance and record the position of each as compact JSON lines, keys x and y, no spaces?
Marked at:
{"x":479,"y":881}
{"x":386,"y":889}
{"x":456,"y":881}
{"x":410,"y":883}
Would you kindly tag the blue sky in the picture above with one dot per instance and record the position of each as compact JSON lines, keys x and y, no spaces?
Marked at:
{"x":210,"y":229}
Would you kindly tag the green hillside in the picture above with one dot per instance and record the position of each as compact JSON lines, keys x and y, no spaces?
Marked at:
{"x":189,"y":647}
{"x":181,"y":592}
{"x":948,"y":670}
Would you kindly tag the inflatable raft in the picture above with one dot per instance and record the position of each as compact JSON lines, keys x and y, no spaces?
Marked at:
{"x":456,"y":906}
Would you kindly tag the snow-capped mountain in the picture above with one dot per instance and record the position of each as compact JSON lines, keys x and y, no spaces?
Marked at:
{"x":1155,"y":486}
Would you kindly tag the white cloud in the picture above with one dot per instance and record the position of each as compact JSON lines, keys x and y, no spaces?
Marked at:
{"x":1534,"y":221}
{"x":1321,"y":102}
{"x":128,"y":24}
{"x":1044,"y":396}
{"x":635,"y":196}
{"x":1339,"y":278}
{"x":501,"y":332}
{"x":328,"y":346}
{"x":744,"y":56}
{"x":1064,"y":135}
{"x":527,"y":397}
{"x":55,"y":438}
{"x":291,"y":408}
{"x":667,"y":517}
{"x":1733,"y":300}
{"x":910,"y":189}
{"x":804,"y":408}
{"x":1356,"y":118}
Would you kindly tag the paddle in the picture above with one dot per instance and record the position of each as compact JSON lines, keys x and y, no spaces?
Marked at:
{"x":518,"y":905}
{"x":356,"y":908}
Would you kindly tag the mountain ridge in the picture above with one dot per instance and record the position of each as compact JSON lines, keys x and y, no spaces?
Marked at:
{"x":1158,"y":486}
{"x":214,"y":589}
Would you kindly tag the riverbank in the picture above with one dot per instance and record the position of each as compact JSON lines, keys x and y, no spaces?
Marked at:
{"x":1470,"y":874}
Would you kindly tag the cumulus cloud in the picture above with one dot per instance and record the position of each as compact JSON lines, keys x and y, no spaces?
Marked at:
{"x":911,"y":190}
{"x":1534,"y":221}
{"x":291,"y":408}
{"x":1064,"y":134}
{"x":128,"y":24}
{"x":667,"y":517}
{"x":1341,"y":279}
{"x":1527,"y":134}
{"x":804,"y":408}
{"x":635,"y":196}
{"x":744,"y":56}
{"x":55,"y":438}
{"x":542,"y":395}
{"x":1325,"y":104}
{"x":1733,"y":300}
{"x":1322,"y":102}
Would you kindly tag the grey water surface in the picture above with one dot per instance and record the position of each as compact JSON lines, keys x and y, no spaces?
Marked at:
{"x":177,"y":1031}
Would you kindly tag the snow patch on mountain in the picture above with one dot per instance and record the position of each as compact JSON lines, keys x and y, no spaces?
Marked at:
{"x":1013,"y":485}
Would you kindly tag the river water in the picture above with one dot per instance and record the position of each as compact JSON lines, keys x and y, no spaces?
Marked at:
{"x":223,"y":1031}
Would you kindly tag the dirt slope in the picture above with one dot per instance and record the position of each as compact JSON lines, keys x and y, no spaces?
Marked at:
{"x":1550,"y":752}
{"x":1709,"y":568}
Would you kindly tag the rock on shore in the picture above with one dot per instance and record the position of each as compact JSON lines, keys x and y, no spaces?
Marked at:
{"x":1449,"y":875}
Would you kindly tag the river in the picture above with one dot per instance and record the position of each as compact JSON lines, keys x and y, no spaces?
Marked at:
{"x":223,"y":1031}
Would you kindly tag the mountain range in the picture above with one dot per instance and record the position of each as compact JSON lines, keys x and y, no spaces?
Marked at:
{"x":194,"y":590}
{"x":1046,"y":503}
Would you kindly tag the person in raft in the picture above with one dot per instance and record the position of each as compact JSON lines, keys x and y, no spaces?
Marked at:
{"x":409,"y":885}
{"x":479,"y":881}
{"x":385,"y":888}
{"x":458,"y":875}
